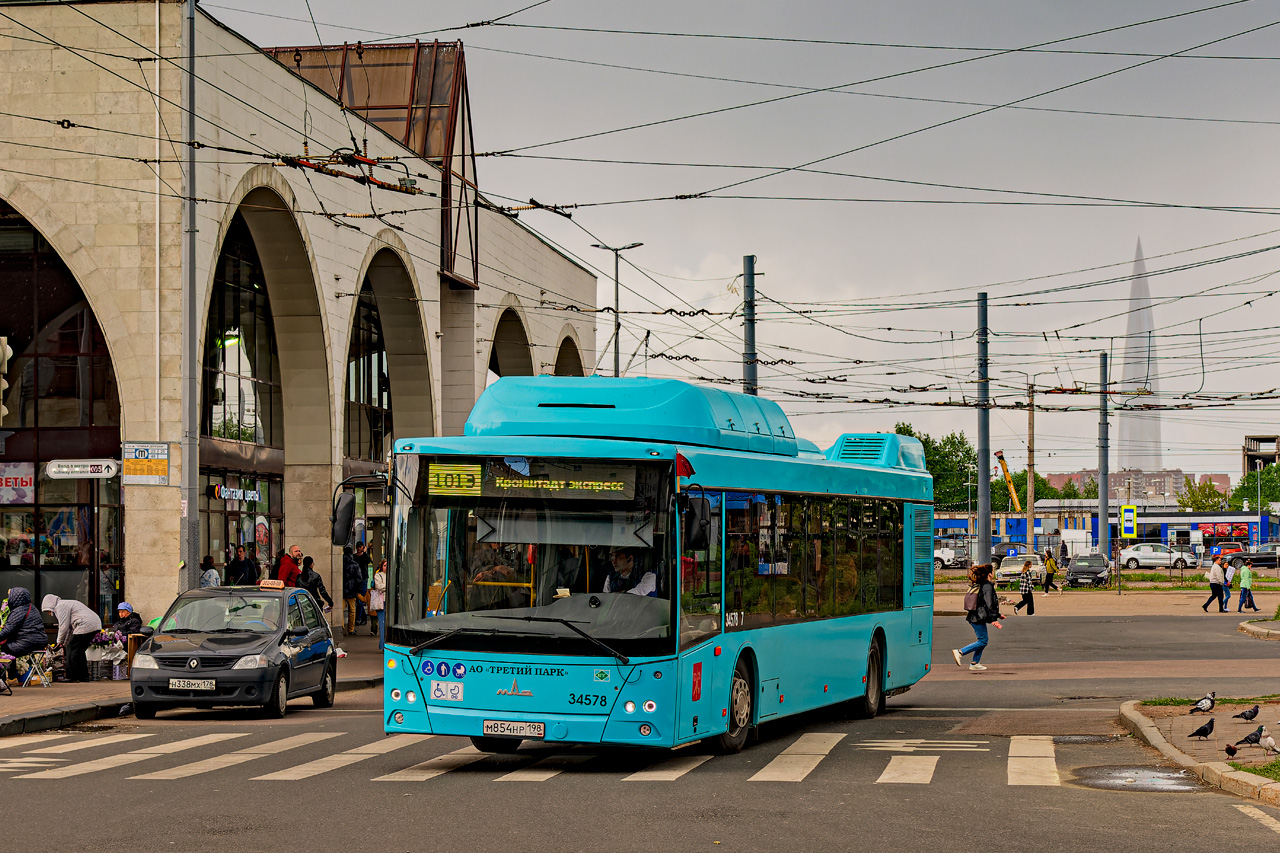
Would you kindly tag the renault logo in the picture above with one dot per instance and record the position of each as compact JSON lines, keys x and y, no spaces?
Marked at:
{"x":193,"y":663}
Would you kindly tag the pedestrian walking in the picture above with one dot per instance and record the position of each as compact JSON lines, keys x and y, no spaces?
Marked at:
{"x":983,"y":609}
{"x":291,"y":566}
{"x":1062,"y":552}
{"x":378,"y":603}
{"x":241,"y":571}
{"x":366,"y":565}
{"x":311,"y":581}
{"x":76,"y":626}
{"x":1215,"y":576}
{"x":1228,"y":575}
{"x":208,"y":574}
{"x":1246,"y":587}
{"x":353,"y":587}
{"x":1050,"y":569}
{"x":1027,"y":586}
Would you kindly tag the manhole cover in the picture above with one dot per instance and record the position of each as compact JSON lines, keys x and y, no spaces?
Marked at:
{"x":1085,"y":739}
{"x":1154,"y":779}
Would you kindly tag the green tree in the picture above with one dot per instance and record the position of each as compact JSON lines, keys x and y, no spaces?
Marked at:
{"x":1070,"y":491}
{"x":1247,"y":489}
{"x":1000,"y":501}
{"x":1200,"y":497}
{"x":951,"y":460}
{"x":1089,"y":491}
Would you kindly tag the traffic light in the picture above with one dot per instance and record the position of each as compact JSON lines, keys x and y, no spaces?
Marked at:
{"x":5,"y":355}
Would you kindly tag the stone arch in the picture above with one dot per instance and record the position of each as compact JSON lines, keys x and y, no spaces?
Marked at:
{"x":511,"y":353}
{"x":395,"y":286}
{"x":568,"y":358}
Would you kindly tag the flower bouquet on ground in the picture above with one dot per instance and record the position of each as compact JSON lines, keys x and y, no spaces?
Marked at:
{"x":107,"y":645}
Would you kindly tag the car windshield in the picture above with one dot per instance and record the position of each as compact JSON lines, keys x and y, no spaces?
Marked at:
{"x":250,"y":614}
{"x":1089,"y":562}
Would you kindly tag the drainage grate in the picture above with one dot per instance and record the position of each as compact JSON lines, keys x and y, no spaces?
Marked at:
{"x":1144,"y":779}
{"x":1086,"y":738}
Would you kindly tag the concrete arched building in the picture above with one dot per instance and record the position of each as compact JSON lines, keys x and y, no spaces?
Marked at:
{"x":335,"y":314}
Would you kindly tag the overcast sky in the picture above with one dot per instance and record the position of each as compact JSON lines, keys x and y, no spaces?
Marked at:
{"x":906,"y":266}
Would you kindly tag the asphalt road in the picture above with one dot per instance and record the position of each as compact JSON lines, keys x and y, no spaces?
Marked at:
{"x":993,"y":761}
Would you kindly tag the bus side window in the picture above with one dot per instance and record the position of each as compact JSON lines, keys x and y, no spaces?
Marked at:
{"x":700,"y":581}
{"x":848,"y":592}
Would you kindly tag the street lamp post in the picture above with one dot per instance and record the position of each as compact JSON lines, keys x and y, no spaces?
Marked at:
{"x":1259,"y":464}
{"x":617,"y":316}
{"x":1031,"y":456}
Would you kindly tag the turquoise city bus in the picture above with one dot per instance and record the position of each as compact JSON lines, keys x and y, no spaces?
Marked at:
{"x":651,"y":563}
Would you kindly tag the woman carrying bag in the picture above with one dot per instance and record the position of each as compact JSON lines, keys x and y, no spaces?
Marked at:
{"x":378,"y":603}
{"x":983,"y":609}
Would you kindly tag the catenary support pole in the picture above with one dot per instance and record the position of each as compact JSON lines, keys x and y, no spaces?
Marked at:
{"x":984,"y":439}
{"x":190,"y":337}
{"x":1104,"y":478}
{"x":1031,"y":466}
{"x":750,"y":382}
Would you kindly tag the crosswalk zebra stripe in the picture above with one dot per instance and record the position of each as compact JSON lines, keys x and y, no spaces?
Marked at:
{"x":342,"y":759}
{"x":231,"y":759}
{"x":909,"y":770}
{"x":798,"y":760}
{"x":541,"y":771}
{"x":1032,"y":761}
{"x":84,"y":743}
{"x":19,"y":741}
{"x":134,"y":757}
{"x":437,"y":766}
{"x":669,"y":770}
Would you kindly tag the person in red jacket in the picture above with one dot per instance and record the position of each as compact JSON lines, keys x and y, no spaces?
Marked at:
{"x":290,"y":566}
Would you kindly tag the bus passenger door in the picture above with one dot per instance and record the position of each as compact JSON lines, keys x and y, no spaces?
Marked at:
{"x":695,"y":706}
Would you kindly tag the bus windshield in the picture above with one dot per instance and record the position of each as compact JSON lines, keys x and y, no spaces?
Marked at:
{"x":529,"y":554}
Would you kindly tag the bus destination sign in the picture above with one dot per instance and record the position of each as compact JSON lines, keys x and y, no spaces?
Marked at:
{"x":533,"y":478}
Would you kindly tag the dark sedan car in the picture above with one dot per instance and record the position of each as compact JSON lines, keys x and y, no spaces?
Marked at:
{"x":1088,"y":570}
{"x":1266,"y":557}
{"x":236,"y":645}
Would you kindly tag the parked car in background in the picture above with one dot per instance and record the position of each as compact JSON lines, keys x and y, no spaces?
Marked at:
{"x":1089,"y":570}
{"x":1002,"y":551}
{"x":1010,"y":570}
{"x":1155,"y":555}
{"x":1266,"y":557}
{"x":950,"y":552}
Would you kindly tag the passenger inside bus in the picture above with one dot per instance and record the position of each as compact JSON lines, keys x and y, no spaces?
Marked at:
{"x":626,"y":576}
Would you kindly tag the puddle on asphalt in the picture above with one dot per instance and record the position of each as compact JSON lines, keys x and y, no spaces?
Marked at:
{"x":1145,"y":779}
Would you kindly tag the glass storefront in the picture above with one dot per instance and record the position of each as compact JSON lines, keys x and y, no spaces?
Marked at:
{"x":60,"y":537}
{"x":238,"y":509}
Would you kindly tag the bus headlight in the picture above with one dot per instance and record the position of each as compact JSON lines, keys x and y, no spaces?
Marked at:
{"x":398,"y":717}
{"x":646,"y":730}
{"x":629,"y":707}
{"x":411,"y":696}
{"x":650,"y":706}
{"x":395,"y":695}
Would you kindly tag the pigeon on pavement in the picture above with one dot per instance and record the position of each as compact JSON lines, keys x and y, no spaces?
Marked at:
{"x":1251,"y":739}
{"x":1204,"y":731}
{"x":1268,"y":743}
{"x":1248,"y":715}
{"x":1206,"y":704}
{"x":1230,"y":751}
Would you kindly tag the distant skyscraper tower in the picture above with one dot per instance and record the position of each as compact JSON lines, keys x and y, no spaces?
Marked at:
{"x":1139,"y":440}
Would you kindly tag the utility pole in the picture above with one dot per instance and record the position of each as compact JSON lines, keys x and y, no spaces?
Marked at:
{"x":617,"y":314}
{"x":190,"y":521}
{"x":1104,"y":480}
{"x":1031,"y":466}
{"x":750,"y":383}
{"x":984,"y":437}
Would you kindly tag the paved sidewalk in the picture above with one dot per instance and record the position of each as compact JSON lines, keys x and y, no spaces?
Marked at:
{"x":33,"y":709}
{"x":1107,"y":603}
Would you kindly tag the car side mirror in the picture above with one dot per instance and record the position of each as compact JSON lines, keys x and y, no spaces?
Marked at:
{"x":146,"y":630}
{"x":294,"y":633}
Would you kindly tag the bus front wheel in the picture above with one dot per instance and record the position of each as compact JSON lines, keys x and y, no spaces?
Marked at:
{"x":741,"y":702}
{"x":872,"y":700}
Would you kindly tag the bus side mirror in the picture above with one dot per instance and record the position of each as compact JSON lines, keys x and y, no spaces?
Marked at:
{"x":343,"y":518}
{"x":697,"y":524}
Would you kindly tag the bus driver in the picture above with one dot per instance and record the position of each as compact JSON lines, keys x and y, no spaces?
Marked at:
{"x":624,"y":577}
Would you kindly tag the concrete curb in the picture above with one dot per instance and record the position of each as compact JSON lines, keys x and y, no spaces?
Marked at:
{"x":86,"y":712}
{"x":1258,"y":632}
{"x":1219,"y":774}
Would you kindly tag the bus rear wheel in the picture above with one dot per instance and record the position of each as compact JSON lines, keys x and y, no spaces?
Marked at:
{"x":872,"y":700}
{"x":501,"y":745}
{"x":741,"y":707}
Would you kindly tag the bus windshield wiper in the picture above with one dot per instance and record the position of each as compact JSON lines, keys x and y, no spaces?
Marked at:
{"x":572,"y":626}
{"x":426,"y":644}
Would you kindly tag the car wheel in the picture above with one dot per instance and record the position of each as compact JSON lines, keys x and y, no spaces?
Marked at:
{"x":1236,"y":564}
{"x":1132,"y":564}
{"x":938,"y":565}
{"x":323,"y":698}
{"x":741,"y":701}
{"x":278,"y":702}
{"x":144,"y":711}
{"x":1179,"y":564}
{"x":500,"y":745}
{"x":872,"y":700}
